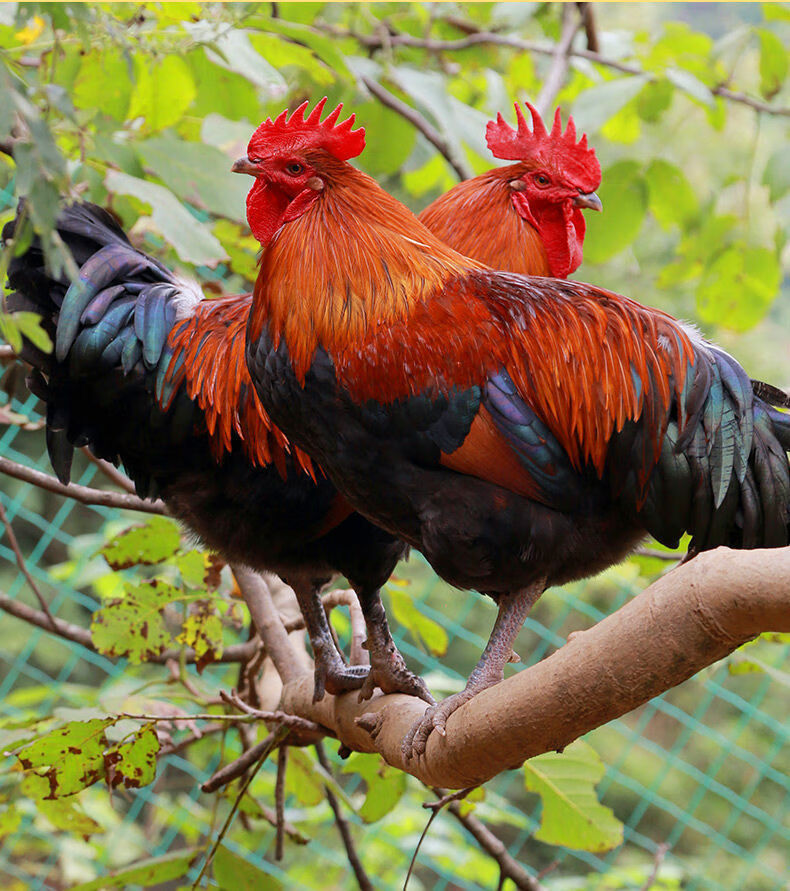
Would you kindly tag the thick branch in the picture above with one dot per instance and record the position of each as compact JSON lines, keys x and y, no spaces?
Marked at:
{"x":83,"y":494}
{"x":685,"y":621}
{"x":269,"y":625}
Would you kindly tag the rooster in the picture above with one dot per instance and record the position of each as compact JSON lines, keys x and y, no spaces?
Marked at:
{"x":525,"y":217}
{"x":520,"y":432}
{"x":164,"y":378}
{"x":148,"y":373}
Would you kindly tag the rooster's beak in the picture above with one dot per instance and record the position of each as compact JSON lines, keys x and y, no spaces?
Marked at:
{"x":589,"y":199}
{"x":244,"y":165}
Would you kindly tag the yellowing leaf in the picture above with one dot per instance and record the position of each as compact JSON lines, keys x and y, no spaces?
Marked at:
{"x":66,"y":760}
{"x":64,"y":814}
{"x":152,"y":543}
{"x":31,"y":30}
{"x":572,"y":815}
{"x":134,"y":626}
{"x":153,"y":871}
{"x":133,"y":762}
{"x":234,"y":873}
{"x":203,"y":632}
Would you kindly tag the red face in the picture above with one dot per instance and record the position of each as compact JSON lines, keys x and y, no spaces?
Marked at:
{"x":285,"y":186}
{"x":552,"y":205}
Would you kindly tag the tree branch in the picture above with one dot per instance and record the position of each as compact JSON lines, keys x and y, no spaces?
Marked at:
{"x":20,"y":562}
{"x":427,"y":129}
{"x":110,"y":471}
{"x":690,"y":618}
{"x":83,"y":494}
{"x":372,"y":42}
{"x":559,"y":63}
{"x":76,"y":634}
{"x":342,"y":825}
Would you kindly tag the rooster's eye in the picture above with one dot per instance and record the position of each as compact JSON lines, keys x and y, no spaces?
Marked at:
{"x":294,"y":169}
{"x":541,"y":179}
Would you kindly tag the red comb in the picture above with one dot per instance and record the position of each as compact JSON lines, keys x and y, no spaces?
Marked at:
{"x":556,"y":147}
{"x":286,"y":133}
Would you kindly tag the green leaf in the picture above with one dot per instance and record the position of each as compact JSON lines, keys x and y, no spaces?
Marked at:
{"x":152,"y":543}
{"x":406,"y":612}
{"x":624,"y":195}
{"x":10,"y":820}
{"x":777,"y":174}
{"x":654,"y":100}
{"x":233,"y":50}
{"x":66,"y":815}
{"x":672,"y":200}
{"x":691,"y":85}
{"x":153,"y":871}
{"x":385,"y":784}
{"x":241,"y":247}
{"x":29,"y":324}
{"x":65,"y":760}
{"x":773,"y":63}
{"x":322,"y":45}
{"x":192,"y":240}
{"x":572,"y":815}
{"x":133,"y":763}
{"x":776,"y":12}
{"x":134,"y":625}
{"x":234,"y":873}
{"x":104,"y":83}
{"x":594,"y":107}
{"x":197,"y":173}
{"x":738,"y":287}
{"x":194,"y":567}
{"x":389,"y":138}
{"x":163,"y":92}
{"x":304,"y":778}
{"x":284,"y":54}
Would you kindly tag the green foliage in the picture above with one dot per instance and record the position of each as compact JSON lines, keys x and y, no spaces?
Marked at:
{"x":146,"y":873}
{"x":407,"y":613}
{"x":234,"y":873}
{"x":385,"y":785}
{"x":572,"y":814}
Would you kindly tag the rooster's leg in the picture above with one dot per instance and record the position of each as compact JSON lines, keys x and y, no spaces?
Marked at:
{"x":331,"y":672}
{"x":387,"y":667}
{"x":490,"y":670}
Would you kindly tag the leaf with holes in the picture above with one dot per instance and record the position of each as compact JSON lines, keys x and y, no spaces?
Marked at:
{"x":65,"y":760}
{"x":152,"y":543}
{"x":202,"y":631}
{"x":572,"y":815}
{"x":133,"y":626}
{"x":133,"y":762}
{"x":385,"y":784}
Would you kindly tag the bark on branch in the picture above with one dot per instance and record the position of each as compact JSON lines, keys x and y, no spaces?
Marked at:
{"x":689,"y":619}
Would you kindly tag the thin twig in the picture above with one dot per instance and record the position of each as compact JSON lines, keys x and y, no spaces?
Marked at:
{"x":7,"y":147}
{"x":495,"y":847}
{"x":294,"y":722}
{"x":83,"y":494}
{"x":560,"y":61}
{"x":279,"y":802}
{"x":79,"y":635}
{"x":661,"y":853}
{"x":112,"y":473}
{"x":342,"y":825}
{"x":491,"y":38}
{"x":174,"y":748}
{"x":277,"y":737}
{"x":448,"y":798}
{"x":20,"y":562}
{"x":237,"y":768}
{"x":420,"y":123}
{"x":588,"y":21}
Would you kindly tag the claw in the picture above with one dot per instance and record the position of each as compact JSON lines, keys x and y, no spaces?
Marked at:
{"x":435,"y":718}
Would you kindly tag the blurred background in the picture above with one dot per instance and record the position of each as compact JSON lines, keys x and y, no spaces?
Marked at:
{"x":141,"y":108}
